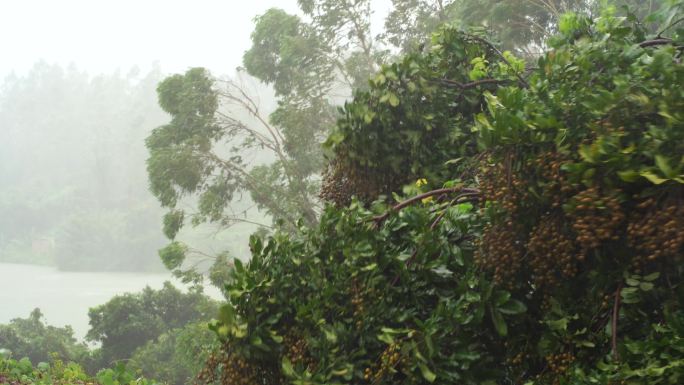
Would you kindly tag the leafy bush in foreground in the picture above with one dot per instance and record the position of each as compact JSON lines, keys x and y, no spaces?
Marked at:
{"x":23,"y":372}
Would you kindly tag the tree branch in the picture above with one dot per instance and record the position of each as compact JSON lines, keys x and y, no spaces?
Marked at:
{"x":656,"y":42}
{"x":465,"y":86}
{"x":466,"y":192}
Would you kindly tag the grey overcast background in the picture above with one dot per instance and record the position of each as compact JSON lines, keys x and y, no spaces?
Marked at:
{"x":101,"y":36}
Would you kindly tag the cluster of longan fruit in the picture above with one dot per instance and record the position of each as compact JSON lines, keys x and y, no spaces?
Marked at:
{"x":597,"y":218}
{"x":504,"y":186}
{"x":551,"y":252}
{"x":341,"y":181}
{"x":556,"y":187}
{"x":297,"y":350}
{"x":358,"y":304}
{"x":208,"y":373}
{"x":517,"y":359}
{"x":336,"y":187}
{"x":233,"y":370}
{"x":560,"y":363}
{"x":657,"y":231}
{"x":500,"y":251}
{"x":390,"y":358}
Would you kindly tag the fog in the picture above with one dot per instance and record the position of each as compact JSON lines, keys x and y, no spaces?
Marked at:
{"x":77,"y":99}
{"x":78,"y":79}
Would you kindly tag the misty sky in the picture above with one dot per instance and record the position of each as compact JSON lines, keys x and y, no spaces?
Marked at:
{"x":101,"y":36}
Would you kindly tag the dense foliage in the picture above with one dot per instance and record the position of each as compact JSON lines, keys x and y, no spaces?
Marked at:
{"x":554,"y":258}
{"x":177,"y":355}
{"x":23,"y":372}
{"x":415,"y":117}
{"x":31,"y":338}
{"x":161,"y":333}
{"x":129,"y":321}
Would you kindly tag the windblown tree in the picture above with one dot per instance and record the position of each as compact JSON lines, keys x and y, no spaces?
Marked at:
{"x":558,"y":262}
{"x":198,"y":159}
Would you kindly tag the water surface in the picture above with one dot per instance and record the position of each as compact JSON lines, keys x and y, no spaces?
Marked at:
{"x":64,"y":297}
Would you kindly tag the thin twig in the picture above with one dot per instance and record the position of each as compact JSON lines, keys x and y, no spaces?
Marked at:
{"x":670,"y":26}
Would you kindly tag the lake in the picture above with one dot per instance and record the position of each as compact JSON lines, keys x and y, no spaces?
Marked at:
{"x":65,"y":297}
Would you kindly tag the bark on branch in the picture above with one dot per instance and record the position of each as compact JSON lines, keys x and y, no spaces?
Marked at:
{"x":464,"y":192}
{"x":656,"y":42}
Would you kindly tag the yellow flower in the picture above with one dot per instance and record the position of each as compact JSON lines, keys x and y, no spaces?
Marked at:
{"x":420,"y":183}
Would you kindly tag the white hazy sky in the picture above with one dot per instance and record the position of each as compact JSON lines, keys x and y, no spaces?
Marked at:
{"x":105,"y":35}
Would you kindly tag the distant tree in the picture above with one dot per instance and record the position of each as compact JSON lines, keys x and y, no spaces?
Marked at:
{"x":177,"y":355}
{"x":128,"y":321}
{"x":31,"y":337}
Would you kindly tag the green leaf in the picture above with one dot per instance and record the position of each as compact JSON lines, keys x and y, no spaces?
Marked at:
{"x":587,"y":153}
{"x":498,"y":321}
{"x":559,"y":324}
{"x":501,"y":297}
{"x":370,"y":267}
{"x":256,"y":341}
{"x":513,"y":307}
{"x":286,"y":365}
{"x":664,"y":167}
{"x":428,"y":375}
{"x":646,"y":286}
{"x":330,"y":334}
{"x":629,"y":175}
{"x":393,"y":100}
{"x":653,"y":178}
{"x":239,"y":267}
